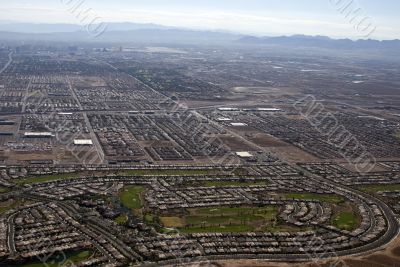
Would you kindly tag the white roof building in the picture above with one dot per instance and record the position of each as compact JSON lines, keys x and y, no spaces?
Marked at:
{"x":238,"y":124}
{"x":244,"y":154}
{"x":223,"y":119}
{"x":83,"y":142}
{"x":269,"y":109}
{"x":38,"y":134}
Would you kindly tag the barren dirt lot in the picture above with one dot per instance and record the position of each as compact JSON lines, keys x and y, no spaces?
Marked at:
{"x":236,"y":144}
{"x":282,"y":149}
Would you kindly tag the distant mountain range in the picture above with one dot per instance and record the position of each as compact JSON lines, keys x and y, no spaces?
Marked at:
{"x":319,"y":41}
{"x":126,"y":32}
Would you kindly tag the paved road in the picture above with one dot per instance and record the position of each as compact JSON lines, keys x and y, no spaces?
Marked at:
{"x":24,"y":101}
{"x":10,"y":235}
{"x":98,"y":147}
{"x":10,"y":59}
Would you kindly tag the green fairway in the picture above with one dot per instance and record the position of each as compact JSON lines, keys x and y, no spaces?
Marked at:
{"x":345,"y":220}
{"x":265,"y":212}
{"x":149,"y":218}
{"x":130,"y":196}
{"x":172,"y":222}
{"x":321,"y":197}
{"x":222,"y":219}
{"x":398,"y":135}
{"x":59,"y":260}
{"x":233,"y":218}
{"x":47,"y":178}
{"x":378,"y":188}
{"x":167,"y":172}
{"x":121,"y":219}
{"x":233,"y":183}
{"x":240,"y":172}
{"x":4,"y":189}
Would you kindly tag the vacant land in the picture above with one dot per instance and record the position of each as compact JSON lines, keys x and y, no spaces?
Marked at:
{"x":281,"y":148}
{"x":321,"y":197}
{"x":130,"y":196}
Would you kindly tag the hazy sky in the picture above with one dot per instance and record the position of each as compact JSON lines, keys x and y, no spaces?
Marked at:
{"x":261,"y":17}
